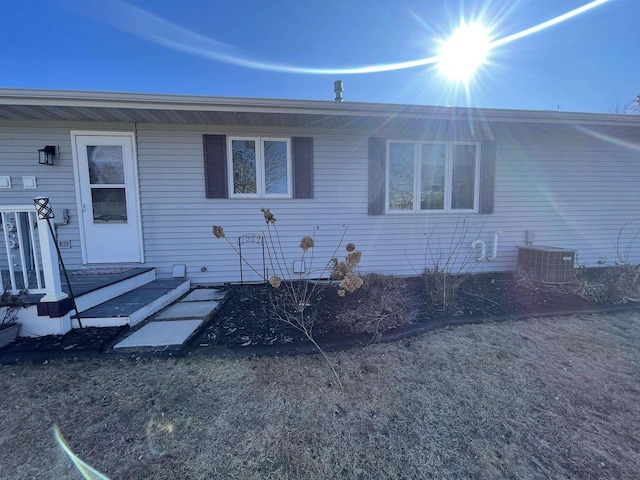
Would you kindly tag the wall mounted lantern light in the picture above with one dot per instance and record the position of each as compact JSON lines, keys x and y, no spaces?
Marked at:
{"x":46,"y":154}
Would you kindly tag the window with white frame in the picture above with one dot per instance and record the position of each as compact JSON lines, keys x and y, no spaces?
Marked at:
{"x":432,"y":176}
{"x":259,"y":167}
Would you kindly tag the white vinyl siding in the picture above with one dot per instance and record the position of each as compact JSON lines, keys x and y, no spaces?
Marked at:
{"x":529,"y":159}
{"x":19,"y":145}
{"x":576,"y":188}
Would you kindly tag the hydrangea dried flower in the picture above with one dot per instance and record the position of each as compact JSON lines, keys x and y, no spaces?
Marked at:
{"x":352,"y":259}
{"x":218,"y":231}
{"x":339,"y":271}
{"x":268,"y":216}
{"x":341,"y":293}
{"x":275,"y":281}
{"x":306,"y":243}
{"x":351,"y":283}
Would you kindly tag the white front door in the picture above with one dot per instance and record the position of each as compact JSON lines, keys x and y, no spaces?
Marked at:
{"x":106,"y":176}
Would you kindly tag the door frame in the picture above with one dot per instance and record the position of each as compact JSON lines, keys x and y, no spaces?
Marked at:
{"x":78,"y":186}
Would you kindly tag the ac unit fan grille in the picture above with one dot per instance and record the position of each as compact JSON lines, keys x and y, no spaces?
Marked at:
{"x":550,"y":265}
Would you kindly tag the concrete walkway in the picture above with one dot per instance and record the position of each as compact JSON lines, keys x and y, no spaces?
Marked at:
{"x":174,"y":325}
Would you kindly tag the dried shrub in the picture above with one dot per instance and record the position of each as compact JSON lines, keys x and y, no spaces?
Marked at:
{"x":618,"y":284}
{"x":294,"y":300}
{"x":449,"y":263}
{"x":381,"y":304}
{"x":9,"y":306}
{"x":442,"y":287}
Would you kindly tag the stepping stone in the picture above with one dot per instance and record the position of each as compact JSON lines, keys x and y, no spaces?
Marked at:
{"x":188,"y":310}
{"x":160,"y":334}
{"x":203,"y":294}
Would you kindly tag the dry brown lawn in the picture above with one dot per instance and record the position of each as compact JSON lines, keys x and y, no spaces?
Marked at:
{"x":543,"y":398}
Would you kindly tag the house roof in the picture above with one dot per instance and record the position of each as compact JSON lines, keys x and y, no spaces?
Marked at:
{"x":61,"y":105}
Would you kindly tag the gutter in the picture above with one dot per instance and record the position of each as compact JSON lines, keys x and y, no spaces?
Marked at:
{"x":132,"y":101}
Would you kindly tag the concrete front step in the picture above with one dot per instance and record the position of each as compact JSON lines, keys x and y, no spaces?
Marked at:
{"x":134,"y":306}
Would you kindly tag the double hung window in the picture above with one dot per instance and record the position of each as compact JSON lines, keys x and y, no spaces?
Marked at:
{"x":432,"y":176}
{"x":259,"y":167}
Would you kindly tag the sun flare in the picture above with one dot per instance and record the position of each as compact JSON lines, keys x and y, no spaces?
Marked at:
{"x":459,"y":57}
{"x":464,"y":52}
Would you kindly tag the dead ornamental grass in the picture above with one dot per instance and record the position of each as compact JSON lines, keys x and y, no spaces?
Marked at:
{"x":551,"y":398}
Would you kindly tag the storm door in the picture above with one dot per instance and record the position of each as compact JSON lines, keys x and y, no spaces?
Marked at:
{"x":106,"y":175}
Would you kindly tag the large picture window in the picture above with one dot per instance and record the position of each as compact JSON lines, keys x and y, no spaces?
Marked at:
{"x":259,"y":167}
{"x":432,"y":176}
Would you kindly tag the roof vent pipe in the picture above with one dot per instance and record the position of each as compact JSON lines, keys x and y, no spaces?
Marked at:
{"x":337,"y":87}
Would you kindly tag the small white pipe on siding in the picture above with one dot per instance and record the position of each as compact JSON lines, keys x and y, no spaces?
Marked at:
{"x":495,"y":246}
{"x":483,"y":251}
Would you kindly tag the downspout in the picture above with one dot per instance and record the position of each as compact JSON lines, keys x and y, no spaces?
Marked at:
{"x":495,"y":246}
{"x":483,"y":252}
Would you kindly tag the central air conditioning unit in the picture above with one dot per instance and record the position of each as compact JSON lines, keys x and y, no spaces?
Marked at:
{"x":550,"y":265}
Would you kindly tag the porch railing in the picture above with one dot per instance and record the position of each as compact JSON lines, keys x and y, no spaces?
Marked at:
{"x":28,"y":260}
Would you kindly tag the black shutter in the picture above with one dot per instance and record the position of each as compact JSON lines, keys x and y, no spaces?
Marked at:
{"x":487,"y":175}
{"x":215,"y":166}
{"x":302,"y":150}
{"x":377,"y":156}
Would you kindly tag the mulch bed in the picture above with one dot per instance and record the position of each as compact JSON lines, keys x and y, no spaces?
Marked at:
{"x":245,"y":318}
{"x":80,"y":341}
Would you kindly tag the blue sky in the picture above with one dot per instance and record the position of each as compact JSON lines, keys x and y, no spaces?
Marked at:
{"x":586,"y":63}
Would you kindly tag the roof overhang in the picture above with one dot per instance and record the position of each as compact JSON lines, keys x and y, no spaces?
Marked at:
{"x":16,"y":104}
